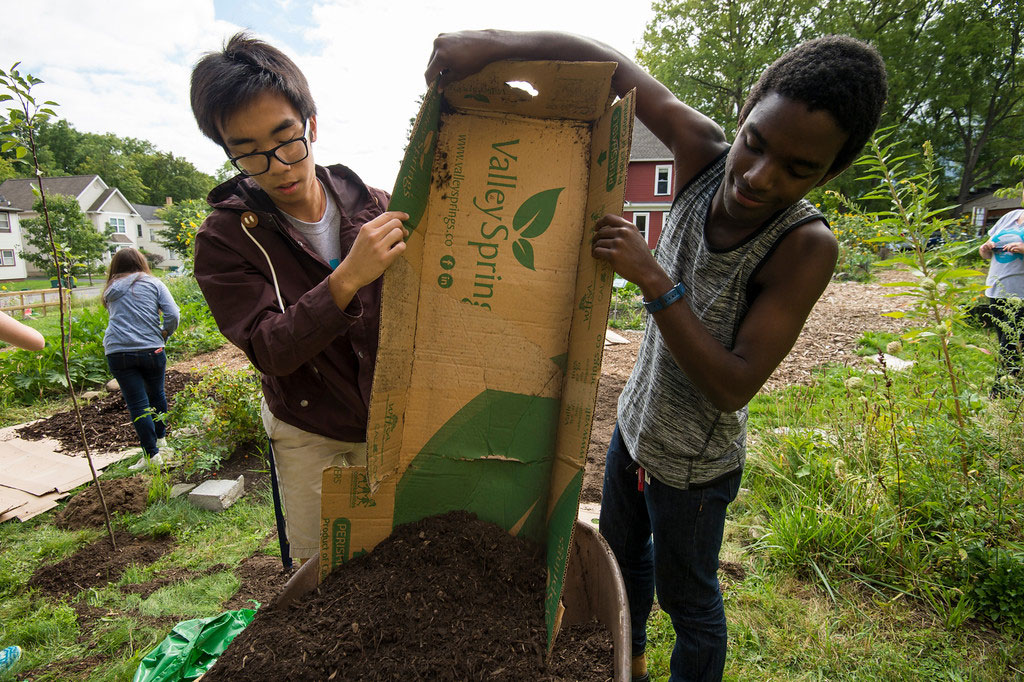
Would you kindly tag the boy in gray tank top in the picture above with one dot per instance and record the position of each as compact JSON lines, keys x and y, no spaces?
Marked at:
{"x":740,"y":264}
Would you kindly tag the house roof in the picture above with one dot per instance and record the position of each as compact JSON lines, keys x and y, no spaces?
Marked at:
{"x":19,"y":190}
{"x":147,"y":212}
{"x":5,"y":205}
{"x":990,"y":202}
{"x":119,"y":238}
{"x":647,"y":147}
{"x":102,"y":199}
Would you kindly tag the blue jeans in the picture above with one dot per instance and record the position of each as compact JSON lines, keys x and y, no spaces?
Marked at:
{"x":140,"y":374}
{"x":670,"y":538}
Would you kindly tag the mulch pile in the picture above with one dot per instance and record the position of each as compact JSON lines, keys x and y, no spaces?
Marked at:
{"x":107,"y":423}
{"x":84,"y":510}
{"x":446,"y":598}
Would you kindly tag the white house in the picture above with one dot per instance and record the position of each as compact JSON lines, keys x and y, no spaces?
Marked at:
{"x":11,"y":264}
{"x":103,"y":205}
{"x":147,"y":234}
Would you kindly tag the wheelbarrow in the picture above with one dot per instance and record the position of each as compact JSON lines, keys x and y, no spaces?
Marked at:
{"x":593,"y":589}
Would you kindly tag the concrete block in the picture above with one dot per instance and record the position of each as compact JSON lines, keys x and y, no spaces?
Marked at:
{"x":179,"y":489}
{"x":217,"y":495}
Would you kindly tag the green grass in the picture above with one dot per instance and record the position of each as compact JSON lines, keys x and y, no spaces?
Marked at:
{"x":31,"y":284}
{"x":207,"y":547}
{"x":865,"y":545}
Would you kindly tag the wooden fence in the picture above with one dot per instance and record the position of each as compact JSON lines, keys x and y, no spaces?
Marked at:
{"x":32,"y":301}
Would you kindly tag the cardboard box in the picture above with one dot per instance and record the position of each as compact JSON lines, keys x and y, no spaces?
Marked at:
{"x":493,"y":321}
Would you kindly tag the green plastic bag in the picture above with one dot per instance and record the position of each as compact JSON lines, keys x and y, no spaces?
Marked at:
{"x":192,"y":647}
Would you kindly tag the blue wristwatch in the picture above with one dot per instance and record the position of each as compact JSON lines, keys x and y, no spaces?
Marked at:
{"x":666,"y":299}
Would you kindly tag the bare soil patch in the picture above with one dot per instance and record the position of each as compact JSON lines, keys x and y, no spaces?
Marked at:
{"x":468,"y":605}
{"x":85,"y":510}
{"x":98,"y":564}
{"x":108,"y":425}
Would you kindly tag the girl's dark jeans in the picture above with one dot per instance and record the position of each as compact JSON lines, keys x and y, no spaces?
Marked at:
{"x":140,"y":374}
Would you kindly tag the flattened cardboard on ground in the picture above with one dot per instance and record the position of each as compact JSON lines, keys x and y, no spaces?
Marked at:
{"x":493,"y":321}
{"x":34,"y":476}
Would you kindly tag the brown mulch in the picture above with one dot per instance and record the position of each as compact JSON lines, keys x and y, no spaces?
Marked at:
{"x":84,"y":510}
{"x":841,"y":315}
{"x":108,"y":425}
{"x":466,"y":604}
{"x":98,"y":563}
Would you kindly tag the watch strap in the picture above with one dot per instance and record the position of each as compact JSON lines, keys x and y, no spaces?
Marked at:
{"x":666,"y":299}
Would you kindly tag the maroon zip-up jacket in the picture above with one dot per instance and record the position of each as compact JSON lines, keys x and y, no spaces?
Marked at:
{"x":316,"y":361}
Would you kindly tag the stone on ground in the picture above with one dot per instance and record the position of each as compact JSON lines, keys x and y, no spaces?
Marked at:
{"x":217,"y":495}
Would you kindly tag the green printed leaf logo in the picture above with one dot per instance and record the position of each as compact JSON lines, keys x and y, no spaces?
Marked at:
{"x":523,"y":251}
{"x":531,"y":220}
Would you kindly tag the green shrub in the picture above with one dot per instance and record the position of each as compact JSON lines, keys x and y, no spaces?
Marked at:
{"x":197,"y":331}
{"x":998,"y":586}
{"x":213,"y":417}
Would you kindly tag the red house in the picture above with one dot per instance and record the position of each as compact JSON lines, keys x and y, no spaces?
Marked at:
{"x":649,"y":183}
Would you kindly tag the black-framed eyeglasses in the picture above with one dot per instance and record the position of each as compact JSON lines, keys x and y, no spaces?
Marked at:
{"x":288,"y":153}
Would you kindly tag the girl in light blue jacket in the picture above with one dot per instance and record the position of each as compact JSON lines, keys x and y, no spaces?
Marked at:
{"x":134,"y":345}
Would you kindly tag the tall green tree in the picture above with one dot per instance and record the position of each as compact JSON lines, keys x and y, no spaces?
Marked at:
{"x":166,"y":175}
{"x":183,"y":220}
{"x":80,"y":246}
{"x":977,"y":119}
{"x":955,"y":68}
{"x":144,"y":174}
{"x":709,"y":53}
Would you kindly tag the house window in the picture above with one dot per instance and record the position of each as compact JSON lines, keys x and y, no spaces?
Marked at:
{"x":642,"y":221}
{"x":6,"y":257}
{"x":138,"y":229}
{"x":117,"y":224}
{"x":171,"y":255}
{"x":5,"y":221}
{"x":663,"y":180}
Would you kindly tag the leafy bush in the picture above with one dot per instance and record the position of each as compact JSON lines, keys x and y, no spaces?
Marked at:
{"x":32,"y":376}
{"x":998,"y":588}
{"x":197,"y":331}
{"x":870,"y":488}
{"x":626,"y":308}
{"x":213,"y":417}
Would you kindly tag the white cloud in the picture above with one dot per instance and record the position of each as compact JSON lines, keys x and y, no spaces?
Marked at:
{"x":123,"y":66}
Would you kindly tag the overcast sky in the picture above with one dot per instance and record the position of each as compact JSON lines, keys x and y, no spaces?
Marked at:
{"x":123,"y":66}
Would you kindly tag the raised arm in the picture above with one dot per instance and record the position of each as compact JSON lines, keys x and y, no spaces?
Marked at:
{"x":693,"y":138}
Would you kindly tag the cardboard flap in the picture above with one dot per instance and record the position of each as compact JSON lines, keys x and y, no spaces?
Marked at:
{"x":574,"y":90}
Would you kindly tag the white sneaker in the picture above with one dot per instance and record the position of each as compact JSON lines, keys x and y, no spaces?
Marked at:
{"x":145,"y":461}
{"x":161,"y":443}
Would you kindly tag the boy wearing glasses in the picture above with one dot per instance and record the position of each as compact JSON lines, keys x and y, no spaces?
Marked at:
{"x":290,"y":262}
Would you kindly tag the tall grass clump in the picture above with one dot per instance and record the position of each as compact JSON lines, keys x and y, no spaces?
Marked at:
{"x":905,"y":482}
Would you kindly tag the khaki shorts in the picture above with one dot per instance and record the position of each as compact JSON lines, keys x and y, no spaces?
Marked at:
{"x":299,"y":459}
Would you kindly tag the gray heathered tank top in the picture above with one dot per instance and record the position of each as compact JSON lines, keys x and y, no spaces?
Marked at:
{"x":669,"y":427}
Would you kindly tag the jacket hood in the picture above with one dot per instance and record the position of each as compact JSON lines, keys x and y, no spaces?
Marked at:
{"x":120,"y":286}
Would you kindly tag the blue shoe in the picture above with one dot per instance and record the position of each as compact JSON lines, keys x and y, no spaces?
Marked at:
{"x":9,"y":657}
